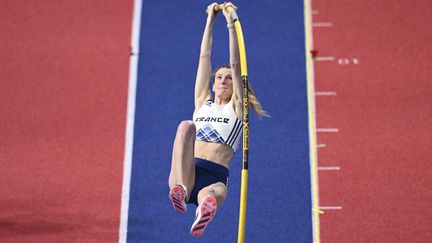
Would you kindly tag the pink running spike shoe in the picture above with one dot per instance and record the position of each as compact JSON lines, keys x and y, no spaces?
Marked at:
{"x":177,"y":195}
{"x":204,"y":214}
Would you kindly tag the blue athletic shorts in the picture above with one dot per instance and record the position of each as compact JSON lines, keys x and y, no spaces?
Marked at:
{"x":207,"y":173}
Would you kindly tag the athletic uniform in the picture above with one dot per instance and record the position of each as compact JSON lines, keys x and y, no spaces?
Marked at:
{"x":218,"y":124}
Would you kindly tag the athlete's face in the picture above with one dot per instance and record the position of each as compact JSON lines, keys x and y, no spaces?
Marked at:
{"x":223,"y":84}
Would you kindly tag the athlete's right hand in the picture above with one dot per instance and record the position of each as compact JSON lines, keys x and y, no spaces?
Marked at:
{"x":211,"y":13}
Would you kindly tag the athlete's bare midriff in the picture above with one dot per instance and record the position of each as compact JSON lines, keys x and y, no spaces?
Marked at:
{"x":215,"y":152}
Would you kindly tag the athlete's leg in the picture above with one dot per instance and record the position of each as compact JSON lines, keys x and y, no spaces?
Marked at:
{"x":216,"y":190}
{"x":183,"y":161}
{"x":209,"y":198}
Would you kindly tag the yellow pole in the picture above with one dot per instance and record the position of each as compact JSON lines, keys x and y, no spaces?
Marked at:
{"x":244,"y":174}
{"x":244,"y":76}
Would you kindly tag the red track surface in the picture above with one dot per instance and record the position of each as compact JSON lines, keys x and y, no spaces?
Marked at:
{"x":64,"y":72}
{"x":383,"y":110}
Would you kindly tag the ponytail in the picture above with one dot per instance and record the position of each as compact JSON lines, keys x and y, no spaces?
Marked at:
{"x":256,"y":105}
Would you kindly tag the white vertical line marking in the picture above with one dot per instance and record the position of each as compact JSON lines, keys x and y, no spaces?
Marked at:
{"x":313,"y":149}
{"x":130,"y":120}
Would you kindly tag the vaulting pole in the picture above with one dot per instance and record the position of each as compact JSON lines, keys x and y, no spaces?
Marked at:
{"x":244,"y":77}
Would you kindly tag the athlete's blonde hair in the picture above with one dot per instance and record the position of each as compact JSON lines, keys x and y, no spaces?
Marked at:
{"x":253,"y":101}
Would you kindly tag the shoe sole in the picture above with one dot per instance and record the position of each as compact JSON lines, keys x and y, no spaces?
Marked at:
{"x":177,"y":196}
{"x":205,"y":215}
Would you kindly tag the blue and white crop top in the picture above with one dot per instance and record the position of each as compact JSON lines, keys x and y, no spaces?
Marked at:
{"x":218,"y":123}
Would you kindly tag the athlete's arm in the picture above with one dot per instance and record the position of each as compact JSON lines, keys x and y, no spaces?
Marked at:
{"x":202,"y":82}
{"x":234,"y":62}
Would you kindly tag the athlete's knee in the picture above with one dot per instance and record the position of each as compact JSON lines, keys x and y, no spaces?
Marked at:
{"x":209,"y":191}
{"x":221,"y":194}
{"x":186,"y":129}
{"x":217,"y":191}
